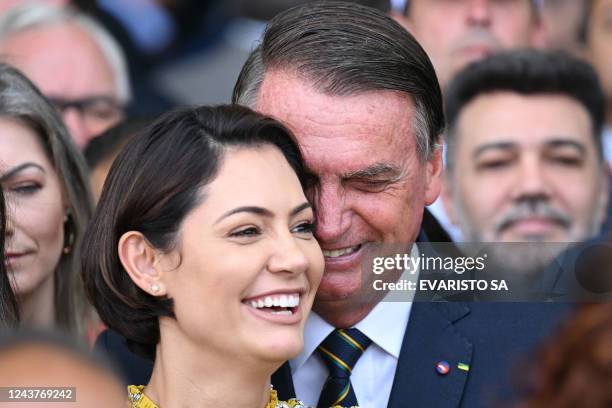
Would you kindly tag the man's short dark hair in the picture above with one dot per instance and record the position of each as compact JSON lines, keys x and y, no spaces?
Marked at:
{"x":525,"y":72}
{"x":345,"y":49}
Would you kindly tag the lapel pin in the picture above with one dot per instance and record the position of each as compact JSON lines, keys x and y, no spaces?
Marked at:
{"x":442,"y":367}
{"x":463,"y":367}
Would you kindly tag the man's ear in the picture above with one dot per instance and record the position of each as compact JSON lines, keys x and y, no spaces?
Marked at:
{"x":434,"y":175}
{"x":140,"y":260}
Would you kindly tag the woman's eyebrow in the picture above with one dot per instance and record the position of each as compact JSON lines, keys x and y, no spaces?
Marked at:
{"x":262,"y":211}
{"x":11,"y":172}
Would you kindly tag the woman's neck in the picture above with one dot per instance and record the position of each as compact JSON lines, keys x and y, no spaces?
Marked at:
{"x":189,"y":375}
{"x":37,"y":309}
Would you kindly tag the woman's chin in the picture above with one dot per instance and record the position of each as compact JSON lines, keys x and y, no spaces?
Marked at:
{"x":281,"y":348}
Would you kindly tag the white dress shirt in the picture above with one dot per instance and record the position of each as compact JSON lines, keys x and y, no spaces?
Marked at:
{"x":372,"y":376}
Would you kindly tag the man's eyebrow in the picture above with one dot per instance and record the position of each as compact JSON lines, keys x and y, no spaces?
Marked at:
{"x":374,"y":170}
{"x":11,"y":172}
{"x":493,"y":146}
{"x":560,"y":142}
{"x":261,"y":211}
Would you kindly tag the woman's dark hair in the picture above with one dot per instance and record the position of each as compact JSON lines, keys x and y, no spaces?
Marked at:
{"x":152,"y":185}
{"x":9,"y":312}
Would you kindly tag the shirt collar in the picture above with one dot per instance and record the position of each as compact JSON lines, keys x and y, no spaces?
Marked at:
{"x":385,"y":325}
{"x":315,"y":331}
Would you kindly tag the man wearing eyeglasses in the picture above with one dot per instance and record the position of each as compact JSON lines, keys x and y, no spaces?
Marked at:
{"x":73,"y":61}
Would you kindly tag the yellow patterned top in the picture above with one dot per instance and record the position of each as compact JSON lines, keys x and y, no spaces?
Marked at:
{"x":138,"y":399}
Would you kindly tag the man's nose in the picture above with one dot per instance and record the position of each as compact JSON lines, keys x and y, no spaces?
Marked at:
{"x":75,"y":122}
{"x":330,"y":204}
{"x":478,"y":12}
{"x":531,"y":180}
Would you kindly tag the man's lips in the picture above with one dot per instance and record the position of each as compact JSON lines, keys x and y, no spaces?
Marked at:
{"x":340,"y":251}
{"x":342,"y":258}
{"x":477,"y":50}
{"x":533,"y":225}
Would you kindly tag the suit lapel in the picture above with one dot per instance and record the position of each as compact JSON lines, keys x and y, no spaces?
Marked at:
{"x":431,"y":338}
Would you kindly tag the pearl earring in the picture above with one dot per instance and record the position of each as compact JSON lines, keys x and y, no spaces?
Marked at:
{"x":155,"y":288}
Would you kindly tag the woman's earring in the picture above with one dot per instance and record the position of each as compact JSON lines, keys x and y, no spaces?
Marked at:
{"x":68,"y":233}
{"x":154,"y":288}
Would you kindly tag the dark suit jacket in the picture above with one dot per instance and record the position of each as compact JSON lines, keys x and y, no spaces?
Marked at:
{"x":489,"y":338}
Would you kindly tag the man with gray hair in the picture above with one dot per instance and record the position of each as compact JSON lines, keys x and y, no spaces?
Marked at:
{"x":362,"y":99}
{"x":74,"y":61}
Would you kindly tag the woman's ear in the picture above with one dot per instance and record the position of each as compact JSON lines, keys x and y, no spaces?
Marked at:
{"x":140,"y":260}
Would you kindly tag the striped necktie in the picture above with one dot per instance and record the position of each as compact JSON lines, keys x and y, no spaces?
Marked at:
{"x":340,"y":351}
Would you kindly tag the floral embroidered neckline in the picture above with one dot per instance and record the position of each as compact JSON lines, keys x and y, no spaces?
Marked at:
{"x":138,"y":399}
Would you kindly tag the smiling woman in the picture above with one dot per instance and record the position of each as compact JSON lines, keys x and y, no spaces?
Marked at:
{"x":202,"y":255}
{"x":48,"y":205}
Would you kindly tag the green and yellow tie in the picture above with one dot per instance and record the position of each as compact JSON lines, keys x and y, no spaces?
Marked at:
{"x":340,"y":351}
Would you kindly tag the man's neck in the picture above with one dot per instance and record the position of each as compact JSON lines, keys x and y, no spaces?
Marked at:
{"x":343,"y":317}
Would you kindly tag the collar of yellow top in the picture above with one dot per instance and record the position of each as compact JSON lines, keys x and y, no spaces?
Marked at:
{"x":138,"y":399}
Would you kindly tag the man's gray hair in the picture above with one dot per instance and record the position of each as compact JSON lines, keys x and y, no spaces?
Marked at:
{"x":37,"y":14}
{"x":345,"y":49}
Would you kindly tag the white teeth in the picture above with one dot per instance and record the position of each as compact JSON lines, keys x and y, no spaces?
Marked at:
{"x":283,"y":301}
{"x":282,"y":312}
{"x":339,"y":252}
{"x":292,"y":300}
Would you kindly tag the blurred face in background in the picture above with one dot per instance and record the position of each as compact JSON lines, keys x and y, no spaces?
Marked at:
{"x":526,"y":169}
{"x":35,"y":211}
{"x":562,"y":20}
{"x":69,"y":68}
{"x":599,"y":46}
{"x":457,"y":32}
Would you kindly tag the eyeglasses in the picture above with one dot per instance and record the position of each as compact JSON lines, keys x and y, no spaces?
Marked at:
{"x":92,"y":109}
